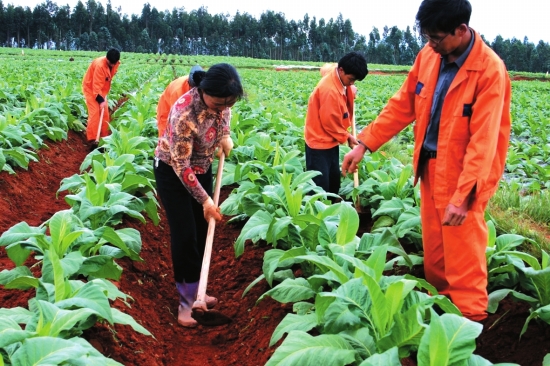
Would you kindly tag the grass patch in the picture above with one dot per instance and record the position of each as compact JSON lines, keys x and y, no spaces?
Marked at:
{"x":512,"y":221}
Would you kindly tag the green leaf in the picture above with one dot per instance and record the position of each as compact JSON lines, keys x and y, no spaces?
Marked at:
{"x":101,"y":266}
{"x":18,"y":314}
{"x":361,"y":340}
{"x":92,"y":356}
{"x":292,"y":322}
{"x":348,"y":224}
{"x":122,"y":318}
{"x":290,"y":290}
{"x":47,"y":351}
{"x":11,"y":332}
{"x":299,"y":348}
{"x":540,"y":281}
{"x":120,"y":240}
{"x":89,"y":296}
{"x":496,"y":296}
{"x":449,"y":340}
{"x":407,"y":330}
{"x":388,"y":358}
{"x":339,"y":317}
{"x":255,"y":229}
{"x":54,"y":320}
{"x":492,"y":237}
{"x":18,"y":278}
{"x":382,"y":222}
{"x":58,"y":276}
{"x":326,"y":264}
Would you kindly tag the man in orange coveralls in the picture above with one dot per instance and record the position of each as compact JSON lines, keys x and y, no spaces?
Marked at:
{"x":458,"y":91}
{"x":171,"y":94}
{"x":95,"y":86}
{"x":328,"y":118}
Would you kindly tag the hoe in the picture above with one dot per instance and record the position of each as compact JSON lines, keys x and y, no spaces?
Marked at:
{"x":201,"y":313}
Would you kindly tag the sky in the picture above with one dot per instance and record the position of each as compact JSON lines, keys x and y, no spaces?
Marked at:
{"x":489,"y":17}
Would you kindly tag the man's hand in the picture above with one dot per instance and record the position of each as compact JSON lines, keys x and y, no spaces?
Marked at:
{"x":455,"y":216}
{"x":351,"y":159}
{"x":352,"y":141}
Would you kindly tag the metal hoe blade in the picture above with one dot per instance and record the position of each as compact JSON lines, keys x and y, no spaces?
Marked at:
{"x":210,"y":317}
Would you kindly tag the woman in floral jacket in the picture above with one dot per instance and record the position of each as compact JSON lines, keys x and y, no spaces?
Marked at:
{"x":198,"y":124}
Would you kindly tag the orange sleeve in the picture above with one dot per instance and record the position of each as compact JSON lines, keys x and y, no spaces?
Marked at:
{"x":489,"y":125}
{"x":98,"y":81}
{"x":171,"y":94}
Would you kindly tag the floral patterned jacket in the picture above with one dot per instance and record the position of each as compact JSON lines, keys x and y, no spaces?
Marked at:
{"x":191,"y":137}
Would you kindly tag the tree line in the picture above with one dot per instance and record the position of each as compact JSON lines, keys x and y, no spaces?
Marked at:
{"x":92,"y":27}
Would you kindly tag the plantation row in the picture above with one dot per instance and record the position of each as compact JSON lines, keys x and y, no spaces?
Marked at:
{"x":361,"y":315}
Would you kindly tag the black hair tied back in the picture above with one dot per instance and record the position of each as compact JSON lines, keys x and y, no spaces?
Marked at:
{"x":198,"y":76}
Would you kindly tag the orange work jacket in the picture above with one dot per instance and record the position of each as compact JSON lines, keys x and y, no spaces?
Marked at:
{"x":474,"y":128}
{"x":97,"y":80}
{"x":329,"y":112}
{"x":171,"y":94}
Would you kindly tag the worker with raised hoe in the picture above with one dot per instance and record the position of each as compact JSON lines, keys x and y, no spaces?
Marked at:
{"x":458,"y":92}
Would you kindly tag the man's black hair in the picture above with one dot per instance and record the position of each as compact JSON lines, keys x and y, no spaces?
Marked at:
{"x":443,"y":15}
{"x":113,"y":55}
{"x":355,"y":64}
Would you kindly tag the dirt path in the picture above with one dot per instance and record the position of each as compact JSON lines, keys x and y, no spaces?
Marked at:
{"x":30,"y":196}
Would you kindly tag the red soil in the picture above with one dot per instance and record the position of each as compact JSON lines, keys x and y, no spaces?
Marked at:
{"x":30,"y":196}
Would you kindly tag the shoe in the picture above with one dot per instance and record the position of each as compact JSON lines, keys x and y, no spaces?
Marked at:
{"x":184,"y":316}
{"x":188,"y":294}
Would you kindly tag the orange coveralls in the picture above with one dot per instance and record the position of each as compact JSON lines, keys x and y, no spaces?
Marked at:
{"x":97,"y":81}
{"x":473,"y":141}
{"x":171,"y":94}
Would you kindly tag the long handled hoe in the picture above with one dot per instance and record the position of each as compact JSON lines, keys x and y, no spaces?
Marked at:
{"x":201,"y":313}
{"x":356,"y":173}
{"x":99,"y":127}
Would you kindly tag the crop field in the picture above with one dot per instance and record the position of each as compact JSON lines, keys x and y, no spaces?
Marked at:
{"x":86,"y":275}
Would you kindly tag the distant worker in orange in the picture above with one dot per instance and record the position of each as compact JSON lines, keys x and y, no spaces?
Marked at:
{"x":95,"y":86}
{"x":458,"y":92}
{"x":329,"y":117}
{"x":171,"y":94}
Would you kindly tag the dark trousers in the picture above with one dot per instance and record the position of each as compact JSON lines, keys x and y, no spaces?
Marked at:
{"x":326,"y":161}
{"x":188,"y":227}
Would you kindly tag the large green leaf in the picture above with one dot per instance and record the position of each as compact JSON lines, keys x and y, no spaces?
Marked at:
{"x":299,"y":348}
{"x":255,"y":229}
{"x":407,"y":330}
{"x":18,"y":278}
{"x":54,"y":320}
{"x":11,"y":332}
{"x":388,"y":358}
{"x":292,"y":322}
{"x":47,"y":351}
{"x":89,"y":296}
{"x":361,"y":340}
{"x":348,"y":225}
{"x":121,"y":318}
{"x":326,"y":264}
{"x":450,"y":340}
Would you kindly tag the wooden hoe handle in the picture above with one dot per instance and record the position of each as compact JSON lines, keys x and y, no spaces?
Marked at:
{"x":201,"y":293}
